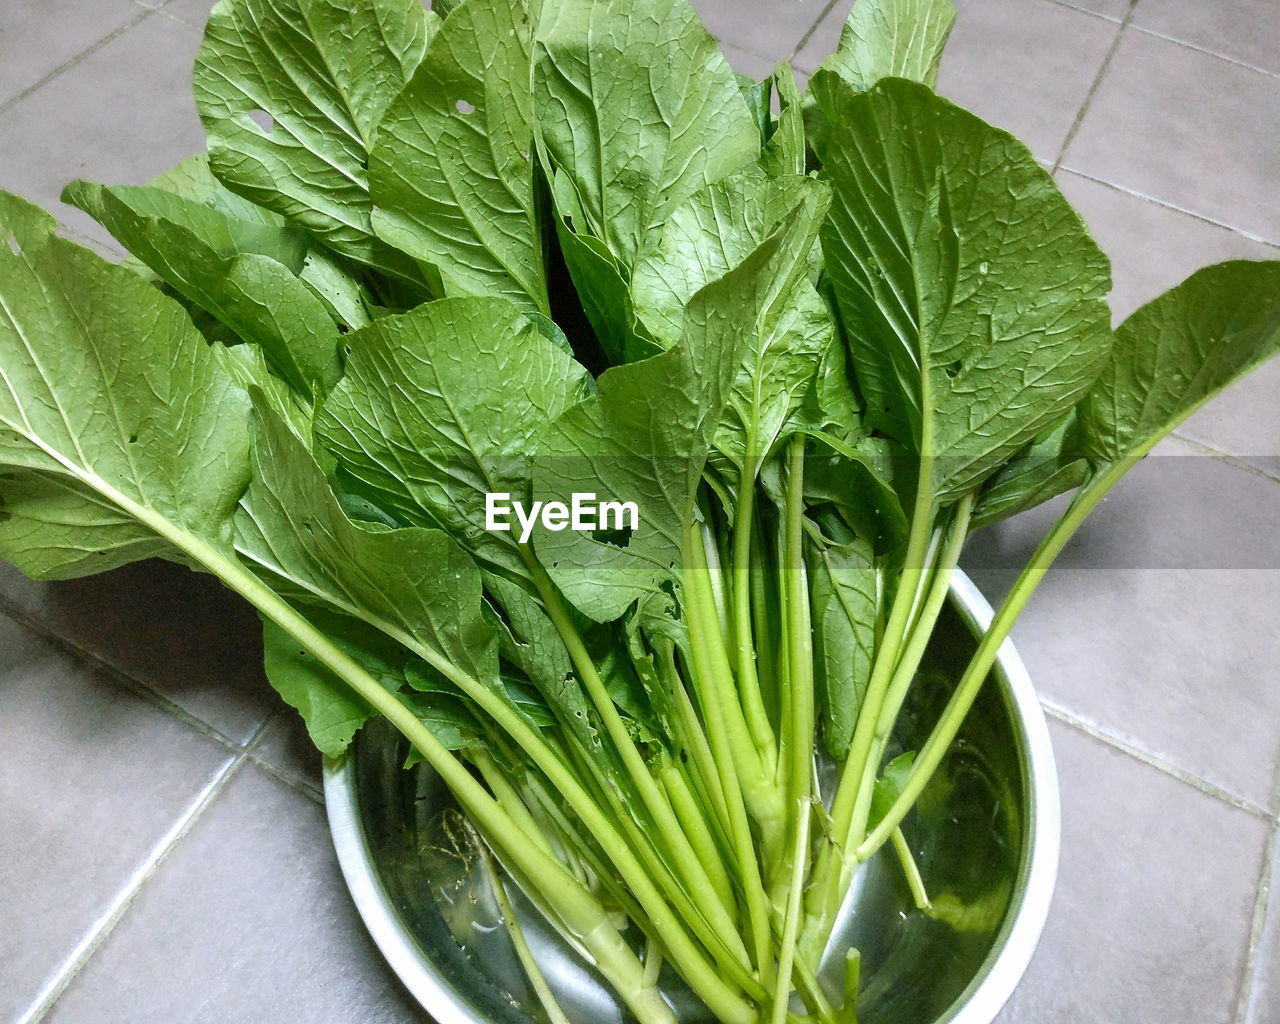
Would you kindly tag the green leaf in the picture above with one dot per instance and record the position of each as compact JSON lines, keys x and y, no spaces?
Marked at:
{"x":646,"y":435}
{"x":440,"y":407}
{"x":892,"y":39}
{"x":242,"y":273}
{"x":331,"y":710}
{"x":785,"y":152}
{"x":412,"y":583}
{"x":1048,"y":466}
{"x":701,"y":241}
{"x":844,"y":589}
{"x":529,"y":640}
{"x":1177,"y":352}
{"x":192,"y":179}
{"x":112,"y":407}
{"x":635,"y":143}
{"x":890,"y":786}
{"x":451,"y":171}
{"x":599,"y":280}
{"x":970,"y":293}
{"x":321,"y":72}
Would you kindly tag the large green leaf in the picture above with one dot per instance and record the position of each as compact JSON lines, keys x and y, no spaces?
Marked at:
{"x":112,"y":408}
{"x":320,"y":73}
{"x":970,"y":292}
{"x":242,"y":273}
{"x":646,"y":436}
{"x":451,"y":172}
{"x":640,"y":109}
{"x":892,"y":39}
{"x":1177,"y":352}
{"x":415,"y":582}
{"x":440,"y":407}
{"x":702,"y":240}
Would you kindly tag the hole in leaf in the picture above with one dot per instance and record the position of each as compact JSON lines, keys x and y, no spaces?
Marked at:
{"x":464,"y":107}
{"x":133,"y":438}
{"x":953,"y":370}
{"x":263,"y":120}
{"x":343,"y":329}
{"x":614,"y":538}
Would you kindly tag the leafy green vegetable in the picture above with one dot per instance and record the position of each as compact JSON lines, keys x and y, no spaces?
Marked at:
{"x":437,"y":259}
{"x":452,"y":171}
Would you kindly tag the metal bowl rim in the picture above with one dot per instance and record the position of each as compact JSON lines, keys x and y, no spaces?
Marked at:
{"x":980,"y":1003}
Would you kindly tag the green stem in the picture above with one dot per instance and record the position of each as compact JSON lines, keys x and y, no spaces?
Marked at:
{"x":911,"y":870}
{"x":791,"y":923}
{"x":689,"y":870}
{"x":948,"y":727}
{"x":799,"y":644}
{"x":577,"y":908}
{"x":743,"y":634}
{"x":555,"y":1015}
{"x":854,"y":788}
{"x":697,"y":828}
{"x":727,"y":749}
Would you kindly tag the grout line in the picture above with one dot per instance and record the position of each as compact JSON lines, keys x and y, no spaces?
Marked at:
{"x":1093,"y":87}
{"x":124,"y":899}
{"x":91,"y":49}
{"x":804,"y":39}
{"x":1205,"y":50}
{"x":1154,"y":761}
{"x":1261,"y":904}
{"x":1085,"y":10}
{"x":121,"y":678}
{"x":295,"y":782}
{"x":1209,"y":451}
{"x":1252,"y":236}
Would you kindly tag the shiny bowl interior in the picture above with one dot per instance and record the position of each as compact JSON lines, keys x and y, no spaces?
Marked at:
{"x":986,"y":837}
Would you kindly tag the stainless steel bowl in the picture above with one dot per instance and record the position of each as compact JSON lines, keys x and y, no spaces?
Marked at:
{"x":986,"y":834}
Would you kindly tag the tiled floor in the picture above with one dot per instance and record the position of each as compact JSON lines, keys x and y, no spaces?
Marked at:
{"x":163,"y":857}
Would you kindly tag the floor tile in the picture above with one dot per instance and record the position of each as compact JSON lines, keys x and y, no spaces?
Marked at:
{"x":1189,"y":129}
{"x":771,"y":28}
{"x":1244,"y":30}
{"x":745,"y":63}
{"x":1025,"y":65}
{"x":247,"y":920}
{"x":194,"y":12}
{"x":37,"y":37}
{"x":1157,"y":623}
{"x":180,"y":634}
{"x":287,"y":749}
{"x":1152,"y":247}
{"x":1244,"y":420}
{"x":1113,"y":9}
{"x":1151,"y":918}
{"x":122,"y":115}
{"x":93,"y":780}
{"x":1264,"y":998}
